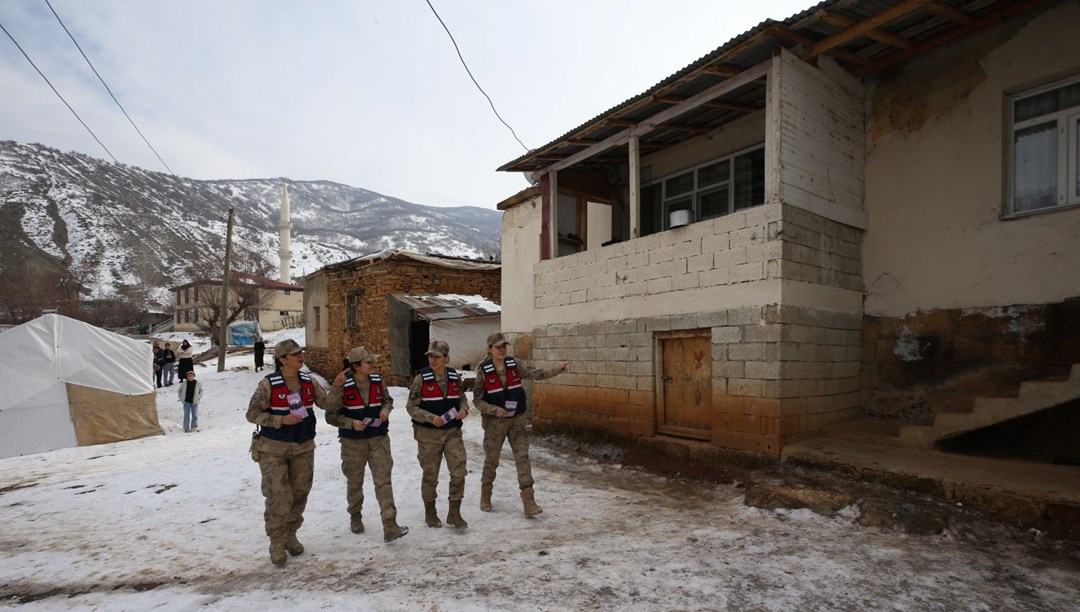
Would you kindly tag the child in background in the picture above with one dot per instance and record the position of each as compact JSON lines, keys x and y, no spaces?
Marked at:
{"x":190,"y":392}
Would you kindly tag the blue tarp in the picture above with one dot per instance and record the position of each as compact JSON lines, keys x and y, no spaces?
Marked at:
{"x":242,"y":333}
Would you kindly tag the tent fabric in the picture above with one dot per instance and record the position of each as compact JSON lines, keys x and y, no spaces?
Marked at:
{"x":41,"y":358}
{"x":466,"y":338}
{"x":100,"y":416}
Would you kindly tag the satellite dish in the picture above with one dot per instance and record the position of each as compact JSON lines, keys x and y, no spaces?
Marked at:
{"x":530,"y":179}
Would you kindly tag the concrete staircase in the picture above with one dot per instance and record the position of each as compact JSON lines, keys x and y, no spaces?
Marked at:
{"x":959,"y":417}
{"x":1034,"y":395}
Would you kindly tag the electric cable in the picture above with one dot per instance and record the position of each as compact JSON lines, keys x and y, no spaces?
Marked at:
{"x":58,"y":93}
{"x":474,"y":78}
{"x":79,"y":47}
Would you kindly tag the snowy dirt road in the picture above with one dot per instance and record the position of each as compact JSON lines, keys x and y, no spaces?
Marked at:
{"x":175,"y":522}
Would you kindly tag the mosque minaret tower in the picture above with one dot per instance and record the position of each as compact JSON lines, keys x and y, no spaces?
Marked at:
{"x":285,"y":228}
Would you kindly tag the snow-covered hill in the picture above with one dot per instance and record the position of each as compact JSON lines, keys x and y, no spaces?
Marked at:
{"x":128,"y":231}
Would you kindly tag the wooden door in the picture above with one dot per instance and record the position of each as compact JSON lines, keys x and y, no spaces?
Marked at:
{"x":685,"y":384}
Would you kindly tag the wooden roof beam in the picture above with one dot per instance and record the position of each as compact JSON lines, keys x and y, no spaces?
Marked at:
{"x":647,"y":125}
{"x":872,"y":23}
{"x":720,"y":69}
{"x":1010,"y":11}
{"x":846,"y":22}
{"x":949,"y":13}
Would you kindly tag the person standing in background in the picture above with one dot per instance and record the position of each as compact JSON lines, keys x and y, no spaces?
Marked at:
{"x":168,"y":364}
{"x":157,"y":364}
{"x":190,"y":394}
{"x":260,"y":348}
{"x":187,"y":360}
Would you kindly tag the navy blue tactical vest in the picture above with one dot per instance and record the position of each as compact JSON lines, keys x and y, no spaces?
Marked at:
{"x":279,"y":406}
{"x":353,"y":406}
{"x":494,"y":391}
{"x":433,"y":400}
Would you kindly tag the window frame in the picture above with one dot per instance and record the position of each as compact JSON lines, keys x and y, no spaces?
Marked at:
{"x":1068,"y":148}
{"x":697,"y":190}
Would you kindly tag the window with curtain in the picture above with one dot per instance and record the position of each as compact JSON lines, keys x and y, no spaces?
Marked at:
{"x":1044,"y":148}
{"x":719,"y":187}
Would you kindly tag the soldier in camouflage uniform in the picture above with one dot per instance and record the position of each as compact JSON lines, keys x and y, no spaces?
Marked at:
{"x":498,"y":395}
{"x":437,"y":405}
{"x":282,"y":407}
{"x":360,"y":408}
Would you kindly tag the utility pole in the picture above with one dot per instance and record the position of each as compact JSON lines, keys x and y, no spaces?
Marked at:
{"x":223,"y":315}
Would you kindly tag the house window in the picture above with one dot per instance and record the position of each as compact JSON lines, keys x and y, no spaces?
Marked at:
{"x":1044,"y":148}
{"x":719,"y":187}
{"x":351,"y":307}
{"x":318,"y":319}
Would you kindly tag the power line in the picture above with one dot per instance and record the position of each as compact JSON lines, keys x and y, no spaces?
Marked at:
{"x":77,"y":46}
{"x":474,"y":78}
{"x":58,"y":94}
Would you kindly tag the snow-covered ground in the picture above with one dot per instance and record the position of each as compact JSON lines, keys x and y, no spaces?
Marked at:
{"x":175,"y":522}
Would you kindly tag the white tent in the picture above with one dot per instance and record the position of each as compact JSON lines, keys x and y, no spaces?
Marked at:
{"x":66,"y":383}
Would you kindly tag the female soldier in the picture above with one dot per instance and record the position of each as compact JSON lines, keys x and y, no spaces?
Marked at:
{"x":437,"y":405}
{"x":282,"y":408}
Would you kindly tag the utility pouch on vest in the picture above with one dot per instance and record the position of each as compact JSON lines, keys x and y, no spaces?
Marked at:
{"x":254,"y":445}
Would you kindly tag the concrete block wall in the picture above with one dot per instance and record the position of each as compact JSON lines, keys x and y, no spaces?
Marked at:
{"x":739,"y":248}
{"x":820,"y":251}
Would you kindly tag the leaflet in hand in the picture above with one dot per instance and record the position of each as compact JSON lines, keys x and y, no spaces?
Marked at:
{"x":510,"y":407}
{"x":296,"y":406}
{"x":370,"y":422}
{"x":451,"y":415}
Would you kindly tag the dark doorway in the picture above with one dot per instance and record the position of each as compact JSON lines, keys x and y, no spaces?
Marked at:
{"x":418,"y":344}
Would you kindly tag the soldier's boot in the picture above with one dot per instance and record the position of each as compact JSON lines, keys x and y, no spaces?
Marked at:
{"x":430,"y":517}
{"x":293,"y":545}
{"x":453,"y":517}
{"x":356,"y":524}
{"x":485,"y":498}
{"x":277,"y":552}
{"x":392,"y":531}
{"x":529,"y":502}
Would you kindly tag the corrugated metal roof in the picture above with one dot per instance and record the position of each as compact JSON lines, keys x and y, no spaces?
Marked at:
{"x":920,"y":25}
{"x":437,"y":307}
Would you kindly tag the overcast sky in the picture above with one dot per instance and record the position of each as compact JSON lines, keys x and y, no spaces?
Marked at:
{"x":369,"y":93}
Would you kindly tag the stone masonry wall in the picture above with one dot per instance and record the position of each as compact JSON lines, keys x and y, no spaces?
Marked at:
{"x":820,"y":251}
{"x":371,"y":285}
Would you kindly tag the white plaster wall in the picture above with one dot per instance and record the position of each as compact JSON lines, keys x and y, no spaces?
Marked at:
{"x":315,"y":295}
{"x":934,"y":191}
{"x":520,"y":252}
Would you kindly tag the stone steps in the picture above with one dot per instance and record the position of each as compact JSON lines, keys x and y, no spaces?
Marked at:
{"x":1034,"y":395}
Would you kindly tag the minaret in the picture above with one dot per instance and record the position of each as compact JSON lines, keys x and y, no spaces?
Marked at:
{"x":285,"y":228}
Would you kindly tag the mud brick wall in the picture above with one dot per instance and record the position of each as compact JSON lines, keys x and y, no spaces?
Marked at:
{"x":941,"y":360}
{"x":777,"y":372}
{"x":370,"y":285}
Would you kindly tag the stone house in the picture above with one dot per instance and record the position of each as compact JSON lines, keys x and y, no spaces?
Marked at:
{"x":869,"y":210}
{"x":280,"y":304}
{"x":373,"y":301}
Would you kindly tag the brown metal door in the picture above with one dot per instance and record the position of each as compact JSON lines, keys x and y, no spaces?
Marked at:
{"x":685,"y":404}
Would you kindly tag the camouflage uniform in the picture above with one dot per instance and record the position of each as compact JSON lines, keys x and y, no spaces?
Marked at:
{"x":498,"y":429}
{"x":356,"y":454}
{"x":435,"y":443}
{"x":287,"y":467}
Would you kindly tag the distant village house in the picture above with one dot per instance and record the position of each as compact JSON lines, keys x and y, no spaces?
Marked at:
{"x":277,"y":305}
